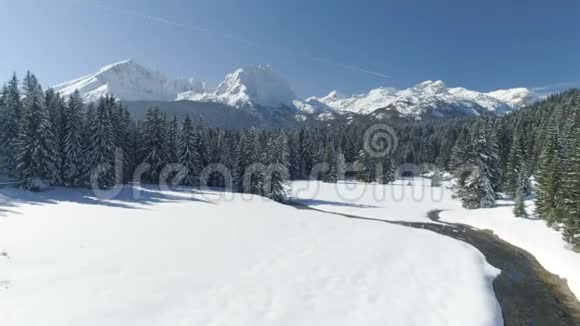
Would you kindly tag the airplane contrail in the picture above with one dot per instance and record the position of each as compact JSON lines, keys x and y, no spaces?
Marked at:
{"x":161,"y":20}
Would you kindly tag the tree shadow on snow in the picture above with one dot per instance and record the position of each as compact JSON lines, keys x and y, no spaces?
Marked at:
{"x":129,"y":197}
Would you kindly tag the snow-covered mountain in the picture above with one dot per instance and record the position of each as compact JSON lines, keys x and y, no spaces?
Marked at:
{"x":261,"y":88}
{"x":432,"y":97}
{"x":129,"y":81}
{"x":251,"y":85}
{"x":515,"y":97}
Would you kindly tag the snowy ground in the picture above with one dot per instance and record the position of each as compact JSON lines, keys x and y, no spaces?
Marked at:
{"x":532,"y":235}
{"x":176,"y":258}
{"x":409,"y":200}
{"x":404,"y":200}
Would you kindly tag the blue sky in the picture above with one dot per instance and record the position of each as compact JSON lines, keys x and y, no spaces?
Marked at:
{"x":318,"y":46}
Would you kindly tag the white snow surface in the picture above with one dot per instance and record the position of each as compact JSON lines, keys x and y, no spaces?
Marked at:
{"x":128,"y":80}
{"x":515,"y":97}
{"x":409,"y":200}
{"x":404,"y":200}
{"x":182,"y":258}
{"x":429,"y":94}
{"x":251,"y":85}
{"x":532,"y":235}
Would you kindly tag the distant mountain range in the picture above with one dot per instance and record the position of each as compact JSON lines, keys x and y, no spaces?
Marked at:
{"x":258,"y":89}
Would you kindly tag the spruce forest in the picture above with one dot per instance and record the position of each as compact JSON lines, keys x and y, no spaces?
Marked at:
{"x":49,"y":140}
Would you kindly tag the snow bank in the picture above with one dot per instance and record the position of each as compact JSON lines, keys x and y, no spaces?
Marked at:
{"x":533,"y":236}
{"x":177,"y":258}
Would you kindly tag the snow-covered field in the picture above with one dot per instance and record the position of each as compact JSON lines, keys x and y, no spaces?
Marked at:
{"x":404,"y":200}
{"x":532,"y":235}
{"x":409,"y":200}
{"x":181,"y":258}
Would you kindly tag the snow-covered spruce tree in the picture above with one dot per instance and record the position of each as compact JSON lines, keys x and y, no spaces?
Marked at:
{"x":203,"y":143}
{"x":276,"y":181}
{"x":217,"y":154}
{"x":309,"y":149}
{"x":487,"y":146}
{"x":227,"y":157}
{"x":126,"y":138}
{"x":548,"y":176}
{"x":100,"y":151}
{"x":520,"y":207}
{"x":239,"y":162}
{"x":115,"y":117}
{"x":462,"y":150}
{"x":474,"y":178}
{"x":89,"y":119}
{"x":294,"y":156}
{"x":73,"y":157}
{"x":35,"y":149}
{"x":341,"y":166}
{"x":331,"y":174}
{"x":254,"y":175}
{"x":476,"y":190}
{"x":484,"y":191}
{"x":517,"y":155}
{"x":570,"y":206}
{"x":188,"y":156}
{"x":10,"y":116}
{"x":247,"y":178}
{"x":504,"y":141}
{"x":137,"y":144}
{"x":388,"y":170}
{"x":155,"y":143}
{"x":173,"y":140}
{"x":55,"y":107}
{"x":436,"y":178}
{"x":365,"y":169}
{"x":122,"y":129}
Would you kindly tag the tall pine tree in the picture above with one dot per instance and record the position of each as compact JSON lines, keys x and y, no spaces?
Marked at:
{"x":188,"y":156}
{"x":276,"y":182}
{"x":100,"y":163}
{"x":155,"y":143}
{"x":73,"y":158}
{"x":35,"y":149}
{"x":10,"y":118}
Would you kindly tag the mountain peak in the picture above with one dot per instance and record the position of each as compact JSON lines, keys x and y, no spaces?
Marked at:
{"x":515,"y":97}
{"x":333,"y":96}
{"x":249,"y":85}
{"x":128,"y":80}
{"x":126,"y":62}
{"x":432,"y":86}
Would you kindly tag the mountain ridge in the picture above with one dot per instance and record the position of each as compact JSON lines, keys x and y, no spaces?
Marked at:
{"x":253,"y":87}
{"x":417,"y":99}
{"x":128,"y":80}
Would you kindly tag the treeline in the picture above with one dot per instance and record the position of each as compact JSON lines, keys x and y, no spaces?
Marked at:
{"x":534,"y":150}
{"x":49,"y":140}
